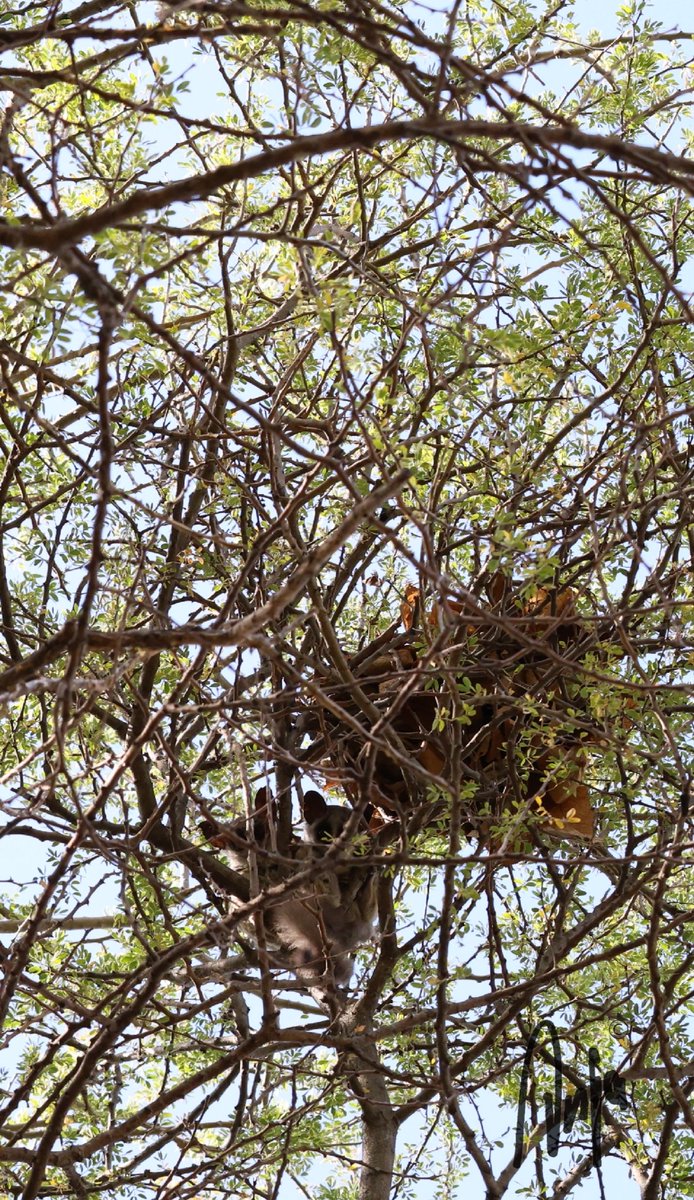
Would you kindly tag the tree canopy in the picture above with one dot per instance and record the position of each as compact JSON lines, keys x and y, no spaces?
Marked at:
{"x":347,"y":447}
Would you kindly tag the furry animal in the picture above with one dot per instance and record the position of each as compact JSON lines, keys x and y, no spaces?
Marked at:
{"x":316,"y":929}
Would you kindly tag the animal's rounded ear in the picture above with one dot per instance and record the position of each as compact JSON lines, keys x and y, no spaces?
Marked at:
{"x":373,"y":819}
{"x":409,"y":609}
{"x":383,"y":831}
{"x":215,"y":836}
{"x":313,"y":807}
{"x":264,"y":807}
{"x":497,"y":586}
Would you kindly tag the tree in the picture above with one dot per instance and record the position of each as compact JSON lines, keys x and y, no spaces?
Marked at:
{"x":313,"y":314}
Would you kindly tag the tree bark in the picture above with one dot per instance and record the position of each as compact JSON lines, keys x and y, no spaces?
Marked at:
{"x":379,"y":1125}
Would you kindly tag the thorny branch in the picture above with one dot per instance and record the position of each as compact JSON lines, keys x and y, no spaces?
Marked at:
{"x":346,"y":438}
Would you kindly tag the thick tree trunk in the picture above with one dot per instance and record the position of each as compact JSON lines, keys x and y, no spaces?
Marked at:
{"x":378,"y":1120}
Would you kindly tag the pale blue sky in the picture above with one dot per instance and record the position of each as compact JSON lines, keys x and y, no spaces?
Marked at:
{"x":21,"y":862}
